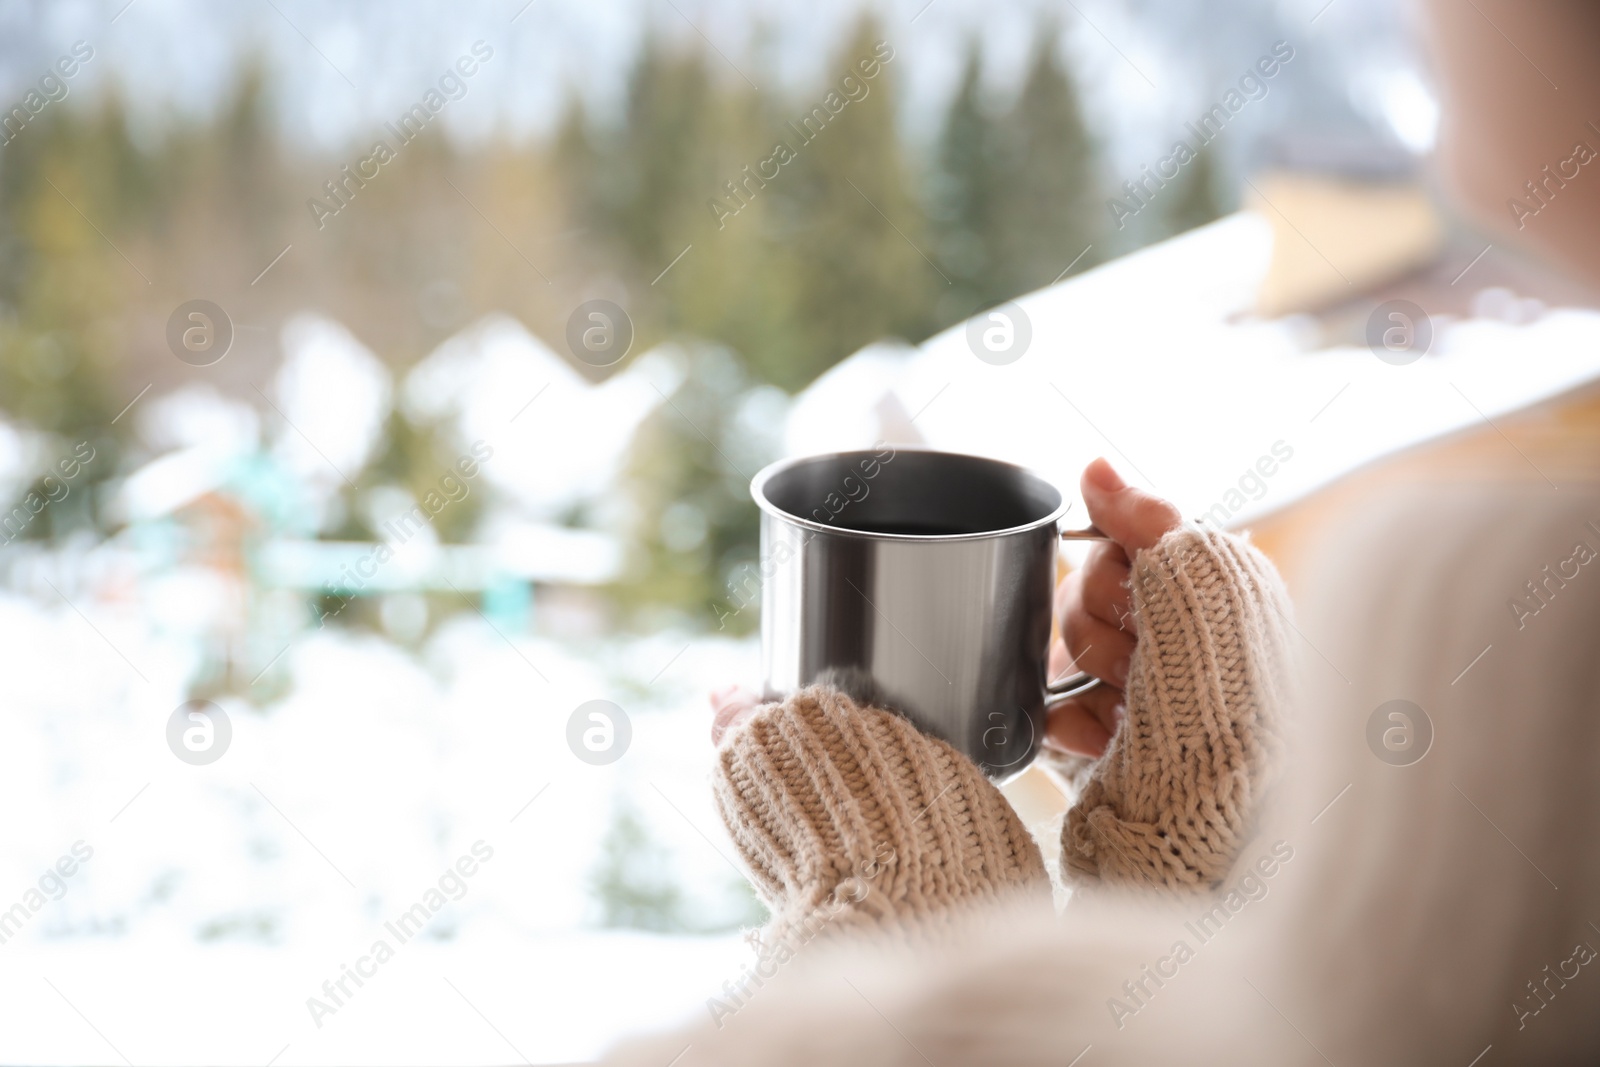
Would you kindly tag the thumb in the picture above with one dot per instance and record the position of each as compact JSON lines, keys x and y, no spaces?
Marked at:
{"x":1131,"y":517}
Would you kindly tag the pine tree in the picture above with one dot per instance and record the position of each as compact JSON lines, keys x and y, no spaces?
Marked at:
{"x":847,"y":216}
{"x":736,"y":285}
{"x":575,"y":158}
{"x":1048,"y":215}
{"x":1196,"y":200}
{"x":660,"y":166}
{"x":962,"y":196}
{"x":66,"y":291}
{"x":1014,"y":194}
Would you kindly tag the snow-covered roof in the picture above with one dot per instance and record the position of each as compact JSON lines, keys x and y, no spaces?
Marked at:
{"x":334,"y":394}
{"x":557,"y":437}
{"x":1154,"y":361}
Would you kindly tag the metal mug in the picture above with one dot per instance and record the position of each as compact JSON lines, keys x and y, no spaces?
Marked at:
{"x":919,"y":581}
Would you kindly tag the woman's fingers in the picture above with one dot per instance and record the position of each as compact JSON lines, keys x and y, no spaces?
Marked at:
{"x":1094,"y":604}
{"x":1074,"y":730}
{"x":1105,"y":592}
{"x":1097,"y":646}
{"x":731,"y":705}
{"x":1083,"y":725}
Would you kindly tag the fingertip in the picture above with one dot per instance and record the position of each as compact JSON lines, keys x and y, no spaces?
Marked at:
{"x":1132,"y":517}
{"x":1101,"y":475}
{"x":725,"y":720}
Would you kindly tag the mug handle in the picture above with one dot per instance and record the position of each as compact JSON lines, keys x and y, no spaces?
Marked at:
{"x":1088,"y":533}
{"x":1062,"y":690}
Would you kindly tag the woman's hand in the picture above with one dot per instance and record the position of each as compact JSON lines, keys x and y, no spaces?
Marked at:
{"x":731,"y":705}
{"x":1094,"y":608}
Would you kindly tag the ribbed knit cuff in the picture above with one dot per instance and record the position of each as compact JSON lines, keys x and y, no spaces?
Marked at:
{"x":1175,"y":796}
{"x":849,"y":812}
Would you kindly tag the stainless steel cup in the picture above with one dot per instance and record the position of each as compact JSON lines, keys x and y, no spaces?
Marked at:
{"x":919,"y":581}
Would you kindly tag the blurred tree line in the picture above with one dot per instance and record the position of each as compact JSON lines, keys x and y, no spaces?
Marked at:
{"x":858,"y":237}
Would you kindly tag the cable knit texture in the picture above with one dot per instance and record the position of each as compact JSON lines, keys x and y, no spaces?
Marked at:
{"x":1171,"y":802}
{"x":834,"y":804}
{"x":829,"y":801}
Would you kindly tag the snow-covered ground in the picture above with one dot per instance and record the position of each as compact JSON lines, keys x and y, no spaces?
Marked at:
{"x":488,"y":999}
{"x":217,"y":899}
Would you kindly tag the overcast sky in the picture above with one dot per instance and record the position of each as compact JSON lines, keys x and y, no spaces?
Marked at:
{"x":343,"y":66}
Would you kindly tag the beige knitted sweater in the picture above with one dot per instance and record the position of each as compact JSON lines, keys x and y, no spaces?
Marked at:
{"x":848,"y":816}
{"x":1427,"y":914}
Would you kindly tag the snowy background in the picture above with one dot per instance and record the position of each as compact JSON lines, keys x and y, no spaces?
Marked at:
{"x":372,"y":749}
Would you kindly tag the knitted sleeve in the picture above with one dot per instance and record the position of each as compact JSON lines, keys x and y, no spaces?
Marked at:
{"x":1172,"y":801}
{"x":847,"y":815}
